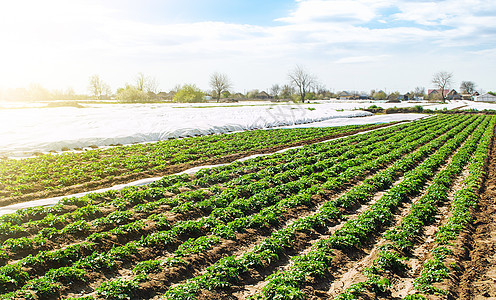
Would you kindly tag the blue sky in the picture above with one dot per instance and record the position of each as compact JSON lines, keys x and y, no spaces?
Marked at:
{"x":347,"y":44}
{"x":255,"y":12}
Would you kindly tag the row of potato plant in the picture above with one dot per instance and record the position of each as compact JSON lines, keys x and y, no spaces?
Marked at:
{"x":203,"y":243}
{"x":49,"y":171}
{"x":171,"y":182}
{"x":167,"y":236}
{"x":402,"y":237}
{"x":437,"y":269}
{"x":131,"y":192}
{"x":94,"y":256}
{"x":117,"y":217}
{"x":222,"y":272}
{"x":357,"y":232}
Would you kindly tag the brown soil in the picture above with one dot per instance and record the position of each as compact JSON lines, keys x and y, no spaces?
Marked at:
{"x":105,"y":183}
{"x":478,"y":279}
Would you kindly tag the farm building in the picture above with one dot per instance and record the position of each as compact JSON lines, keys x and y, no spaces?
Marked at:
{"x":485,"y":98}
{"x":344,"y":95}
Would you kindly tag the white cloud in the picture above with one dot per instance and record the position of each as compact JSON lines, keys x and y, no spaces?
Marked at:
{"x":361,"y":59}
{"x":70,"y":40}
{"x":330,"y":11}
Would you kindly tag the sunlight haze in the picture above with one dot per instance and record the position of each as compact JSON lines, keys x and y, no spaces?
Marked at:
{"x":348,"y":45}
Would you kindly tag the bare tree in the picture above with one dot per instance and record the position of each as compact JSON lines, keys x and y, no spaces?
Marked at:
{"x":302,"y":80}
{"x":146,"y":84}
{"x":219,"y":82}
{"x":419,"y":91}
{"x":467,"y":87}
{"x":98,"y":88}
{"x":274,"y":90}
{"x":443,"y":80}
{"x":287,"y":91}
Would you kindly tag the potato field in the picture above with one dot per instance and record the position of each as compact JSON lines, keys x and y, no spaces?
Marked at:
{"x":400,"y":212}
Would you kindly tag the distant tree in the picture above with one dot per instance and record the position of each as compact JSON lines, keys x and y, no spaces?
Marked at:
{"x":252,"y":94}
{"x":302,"y":81}
{"x":189,"y":93}
{"x":37,"y":92}
{"x":226,"y":94}
{"x":418,"y":91}
{"x":442,"y":80}
{"x":132,"y":94}
{"x":467,"y":87}
{"x":355,"y":94}
{"x":97,"y":88}
{"x":274,"y":90}
{"x":287,"y":91}
{"x":311,"y":96}
{"x":219,"y":83}
{"x":380,"y":95}
{"x":146,"y":83}
{"x":394,"y":96}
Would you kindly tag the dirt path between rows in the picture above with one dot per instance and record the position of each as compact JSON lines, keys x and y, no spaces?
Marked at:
{"x":479,"y":278}
{"x":173,"y":169}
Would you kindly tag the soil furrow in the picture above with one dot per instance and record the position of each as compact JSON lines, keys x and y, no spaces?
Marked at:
{"x":478,"y":280}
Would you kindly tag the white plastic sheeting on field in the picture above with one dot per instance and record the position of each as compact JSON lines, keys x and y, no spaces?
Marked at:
{"x":29,"y":130}
{"x":377,"y":119}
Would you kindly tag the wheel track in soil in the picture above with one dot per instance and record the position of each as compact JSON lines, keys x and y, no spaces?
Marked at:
{"x":478,"y":278}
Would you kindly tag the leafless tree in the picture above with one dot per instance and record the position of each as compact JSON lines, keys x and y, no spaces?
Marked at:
{"x":443,"y":80}
{"x":219,"y":82}
{"x":146,"y":84}
{"x":274,"y":90}
{"x":467,"y":87}
{"x":419,"y":91}
{"x":287,"y":91}
{"x":98,"y":88}
{"x":302,"y":80}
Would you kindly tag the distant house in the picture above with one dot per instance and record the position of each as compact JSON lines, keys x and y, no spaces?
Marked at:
{"x":453,"y":95}
{"x":263,"y":95}
{"x":344,"y":95}
{"x":485,"y":98}
{"x":166,"y":96}
{"x":406,"y":97}
{"x":436,"y":93}
{"x":237,"y":96}
{"x":448,"y":94}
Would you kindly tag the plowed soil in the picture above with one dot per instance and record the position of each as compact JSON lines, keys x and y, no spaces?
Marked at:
{"x":478,"y":280}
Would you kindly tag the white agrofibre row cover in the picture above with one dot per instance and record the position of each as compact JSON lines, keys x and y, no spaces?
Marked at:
{"x":30,"y":130}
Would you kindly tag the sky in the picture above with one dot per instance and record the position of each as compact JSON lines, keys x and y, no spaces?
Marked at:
{"x":346,"y":44}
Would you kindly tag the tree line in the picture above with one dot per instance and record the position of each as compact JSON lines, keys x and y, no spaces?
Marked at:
{"x":301,"y":86}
